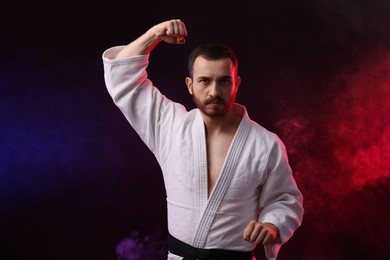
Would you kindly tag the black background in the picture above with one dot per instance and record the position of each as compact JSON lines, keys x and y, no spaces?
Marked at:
{"x":77,"y":183}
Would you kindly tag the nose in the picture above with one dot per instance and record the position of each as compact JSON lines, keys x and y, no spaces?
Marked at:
{"x":214,"y":90}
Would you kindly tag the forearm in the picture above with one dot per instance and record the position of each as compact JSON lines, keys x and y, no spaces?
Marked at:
{"x":141,"y":46}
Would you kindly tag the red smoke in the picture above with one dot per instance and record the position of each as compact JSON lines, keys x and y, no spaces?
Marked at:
{"x":340,"y":154}
{"x":361,"y":125}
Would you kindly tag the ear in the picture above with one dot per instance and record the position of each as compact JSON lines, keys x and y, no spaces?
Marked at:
{"x":189,"y":85}
{"x":238,"y":81}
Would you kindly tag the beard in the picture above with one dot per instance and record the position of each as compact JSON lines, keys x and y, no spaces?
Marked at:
{"x":214,"y":107}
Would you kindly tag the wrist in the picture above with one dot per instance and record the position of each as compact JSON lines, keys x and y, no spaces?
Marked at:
{"x":150,"y":40}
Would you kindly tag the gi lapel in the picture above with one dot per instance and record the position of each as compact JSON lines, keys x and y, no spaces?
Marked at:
{"x":208,"y":208}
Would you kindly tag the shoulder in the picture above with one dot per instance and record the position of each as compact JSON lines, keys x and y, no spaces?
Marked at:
{"x":262,"y":137}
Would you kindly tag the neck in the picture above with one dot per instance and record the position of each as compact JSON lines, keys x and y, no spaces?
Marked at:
{"x":228,"y":122}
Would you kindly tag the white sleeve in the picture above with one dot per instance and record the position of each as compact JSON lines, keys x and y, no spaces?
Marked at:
{"x":149,"y":112}
{"x":281,"y":202}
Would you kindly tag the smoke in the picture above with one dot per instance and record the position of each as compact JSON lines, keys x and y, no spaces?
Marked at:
{"x":363,"y":127}
{"x":136,"y":247}
{"x":340,"y":152}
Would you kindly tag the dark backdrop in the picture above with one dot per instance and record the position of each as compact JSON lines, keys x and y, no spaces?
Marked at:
{"x":77,"y":183}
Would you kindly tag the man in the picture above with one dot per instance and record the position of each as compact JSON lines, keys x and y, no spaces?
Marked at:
{"x":228,"y":182}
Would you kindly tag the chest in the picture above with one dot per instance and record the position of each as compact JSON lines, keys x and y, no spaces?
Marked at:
{"x":197,"y":165}
{"x":217,"y":150}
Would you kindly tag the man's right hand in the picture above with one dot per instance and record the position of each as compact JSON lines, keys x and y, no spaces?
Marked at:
{"x":172,"y":31}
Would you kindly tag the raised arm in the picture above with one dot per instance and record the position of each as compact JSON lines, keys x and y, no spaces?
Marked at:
{"x":172,"y":31}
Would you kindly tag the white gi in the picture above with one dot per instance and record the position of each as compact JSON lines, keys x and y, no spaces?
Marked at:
{"x":255,"y":182}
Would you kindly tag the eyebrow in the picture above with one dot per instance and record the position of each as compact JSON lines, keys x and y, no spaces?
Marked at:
{"x":226,"y":77}
{"x":223,"y":77}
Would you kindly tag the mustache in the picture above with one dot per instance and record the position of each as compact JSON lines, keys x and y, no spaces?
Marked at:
{"x":214,"y":100}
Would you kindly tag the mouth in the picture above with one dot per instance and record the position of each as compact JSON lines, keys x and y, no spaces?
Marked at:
{"x":214,"y":102}
{"x":216,"y":105}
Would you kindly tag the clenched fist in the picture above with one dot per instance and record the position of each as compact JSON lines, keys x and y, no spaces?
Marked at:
{"x":172,"y":31}
{"x":261,"y":233}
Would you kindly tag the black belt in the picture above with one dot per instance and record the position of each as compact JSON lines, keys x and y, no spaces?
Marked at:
{"x":189,"y":252}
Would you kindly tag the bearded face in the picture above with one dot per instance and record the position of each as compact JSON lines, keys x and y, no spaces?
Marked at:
{"x":213,"y":86}
{"x":214,"y":106}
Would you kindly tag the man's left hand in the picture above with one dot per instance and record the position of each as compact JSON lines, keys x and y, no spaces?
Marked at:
{"x":261,"y":233}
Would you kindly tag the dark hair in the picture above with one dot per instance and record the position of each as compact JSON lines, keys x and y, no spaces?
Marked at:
{"x":211,"y":51}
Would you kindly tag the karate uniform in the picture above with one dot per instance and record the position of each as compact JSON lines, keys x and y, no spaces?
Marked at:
{"x":255,"y":182}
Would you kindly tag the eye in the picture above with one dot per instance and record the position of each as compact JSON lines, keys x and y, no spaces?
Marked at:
{"x":225,"y":81}
{"x":203,"y":81}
